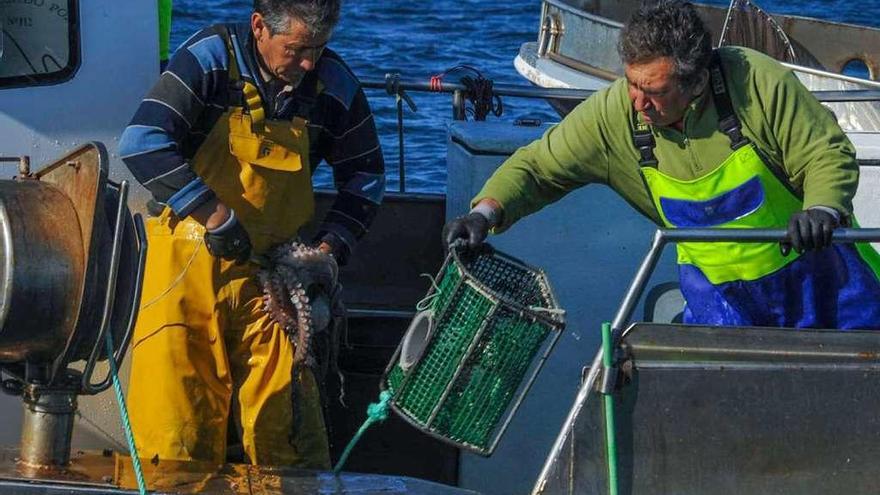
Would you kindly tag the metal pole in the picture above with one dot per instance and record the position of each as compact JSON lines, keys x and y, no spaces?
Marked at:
{"x":401,"y":167}
{"x":500,"y":89}
{"x":24,"y":164}
{"x":47,"y":426}
{"x":458,"y":105}
{"x":634,"y":293}
{"x":840,"y":236}
{"x":847,"y":96}
{"x":832,"y":75}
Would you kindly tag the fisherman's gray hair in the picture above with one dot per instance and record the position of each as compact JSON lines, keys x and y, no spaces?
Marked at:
{"x":319,"y":16}
{"x":668,"y":28}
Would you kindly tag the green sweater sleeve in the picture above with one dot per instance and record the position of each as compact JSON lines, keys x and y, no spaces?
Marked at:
{"x":592,"y":145}
{"x":801,"y":135}
{"x":569,"y":155}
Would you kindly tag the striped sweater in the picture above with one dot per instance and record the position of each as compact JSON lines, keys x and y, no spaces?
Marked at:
{"x":181,"y":109}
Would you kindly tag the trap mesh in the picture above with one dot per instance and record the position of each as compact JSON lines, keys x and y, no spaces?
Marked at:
{"x":492,"y":315}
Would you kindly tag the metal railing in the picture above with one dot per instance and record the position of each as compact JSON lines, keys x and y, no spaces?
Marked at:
{"x":665,"y":236}
{"x":662,"y":237}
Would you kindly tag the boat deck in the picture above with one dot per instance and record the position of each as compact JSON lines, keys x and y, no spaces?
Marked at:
{"x":108,"y":472}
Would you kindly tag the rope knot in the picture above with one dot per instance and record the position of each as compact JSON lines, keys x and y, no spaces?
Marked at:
{"x":392,"y":84}
{"x":392,"y":87}
{"x":378,"y":411}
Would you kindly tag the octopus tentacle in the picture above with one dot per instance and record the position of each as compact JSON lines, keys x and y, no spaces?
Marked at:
{"x":301,"y":294}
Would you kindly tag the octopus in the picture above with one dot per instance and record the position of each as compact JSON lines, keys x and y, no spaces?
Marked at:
{"x":302,"y":294}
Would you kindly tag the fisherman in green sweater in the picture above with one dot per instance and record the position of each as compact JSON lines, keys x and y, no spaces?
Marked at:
{"x":696,"y":137}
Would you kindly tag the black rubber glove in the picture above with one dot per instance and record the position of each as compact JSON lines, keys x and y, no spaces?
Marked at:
{"x":472,"y":228}
{"x":809,"y":229}
{"x":229,"y":241}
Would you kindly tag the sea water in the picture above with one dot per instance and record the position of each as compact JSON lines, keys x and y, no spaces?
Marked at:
{"x":421,"y":39}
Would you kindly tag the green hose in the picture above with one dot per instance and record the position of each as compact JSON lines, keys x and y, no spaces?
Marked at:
{"x":610,"y":439}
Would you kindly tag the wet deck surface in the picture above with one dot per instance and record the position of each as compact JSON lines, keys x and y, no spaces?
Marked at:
{"x":108,"y":472}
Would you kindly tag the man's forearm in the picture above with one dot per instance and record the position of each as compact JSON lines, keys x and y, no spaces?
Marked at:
{"x":491,"y":210}
{"x":211,"y":214}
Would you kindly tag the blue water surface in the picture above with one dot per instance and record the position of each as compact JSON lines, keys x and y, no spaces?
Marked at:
{"x":419,"y":39}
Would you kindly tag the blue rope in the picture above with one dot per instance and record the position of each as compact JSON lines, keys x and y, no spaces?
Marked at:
{"x":126,"y":423}
{"x":376,"y":412}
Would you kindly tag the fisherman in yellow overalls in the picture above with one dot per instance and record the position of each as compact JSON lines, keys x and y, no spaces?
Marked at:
{"x":226,"y":141}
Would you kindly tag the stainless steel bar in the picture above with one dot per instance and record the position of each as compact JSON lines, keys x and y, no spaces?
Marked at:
{"x":499,"y":89}
{"x":119,"y":355}
{"x":401,"y":167}
{"x":47,"y":427}
{"x":833,"y":75}
{"x":851,"y":95}
{"x":110,"y":298}
{"x":458,"y":105}
{"x":637,"y":287}
{"x":761,"y":235}
{"x":380,"y":313}
{"x":24,"y":163}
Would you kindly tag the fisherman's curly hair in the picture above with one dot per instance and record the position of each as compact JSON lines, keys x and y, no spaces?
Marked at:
{"x":668,"y":28}
{"x":319,"y":16}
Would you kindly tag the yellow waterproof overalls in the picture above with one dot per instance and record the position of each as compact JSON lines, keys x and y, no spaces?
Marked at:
{"x":202,"y":343}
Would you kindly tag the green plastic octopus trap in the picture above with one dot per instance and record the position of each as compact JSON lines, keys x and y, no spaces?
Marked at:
{"x":467,"y":361}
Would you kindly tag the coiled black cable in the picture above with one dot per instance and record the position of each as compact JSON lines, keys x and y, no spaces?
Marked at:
{"x":480,"y":95}
{"x":483,"y":99}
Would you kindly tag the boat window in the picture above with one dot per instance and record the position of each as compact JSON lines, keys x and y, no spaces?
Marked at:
{"x":857,"y":68}
{"x":39,"y":43}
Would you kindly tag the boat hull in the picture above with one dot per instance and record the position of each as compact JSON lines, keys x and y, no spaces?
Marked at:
{"x":749,"y":410}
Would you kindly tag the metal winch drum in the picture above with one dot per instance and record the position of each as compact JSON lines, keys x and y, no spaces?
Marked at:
{"x":468,"y":359}
{"x":42,"y":267}
{"x":71,"y":263}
